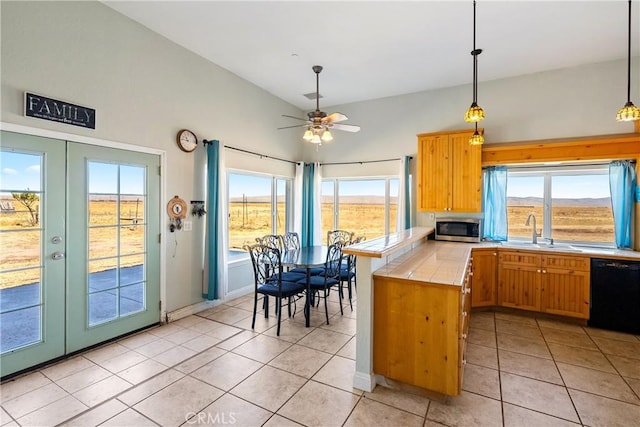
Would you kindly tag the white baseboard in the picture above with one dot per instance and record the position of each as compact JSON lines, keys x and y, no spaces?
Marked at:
{"x":204,"y":305}
{"x":363,"y":381}
{"x":191,"y":309}
{"x":240,"y":292}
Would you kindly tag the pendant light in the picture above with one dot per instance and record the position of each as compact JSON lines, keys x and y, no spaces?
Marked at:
{"x":476,"y":138}
{"x":475,"y":113}
{"x":629,"y":112}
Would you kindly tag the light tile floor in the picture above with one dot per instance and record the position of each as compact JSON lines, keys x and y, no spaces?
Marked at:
{"x":211,"y":368}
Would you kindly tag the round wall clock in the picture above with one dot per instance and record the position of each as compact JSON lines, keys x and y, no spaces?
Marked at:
{"x":187,"y":140}
{"x":177,"y":208}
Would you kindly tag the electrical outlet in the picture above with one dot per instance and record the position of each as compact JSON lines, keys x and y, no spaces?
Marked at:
{"x":186,"y":226}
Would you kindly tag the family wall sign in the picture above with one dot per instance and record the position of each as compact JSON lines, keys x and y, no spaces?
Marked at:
{"x":42,"y":107}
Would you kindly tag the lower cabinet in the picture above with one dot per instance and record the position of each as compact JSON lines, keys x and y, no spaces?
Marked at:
{"x":519,"y":280}
{"x":566,"y":286}
{"x":556,"y":284}
{"x":420,"y":332}
{"x":485,"y":277}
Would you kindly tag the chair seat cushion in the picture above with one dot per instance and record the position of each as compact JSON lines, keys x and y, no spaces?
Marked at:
{"x":312,"y":271}
{"x":288,"y":289}
{"x":288,"y":276}
{"x":346,"y":274}
{"x":318,"y":282}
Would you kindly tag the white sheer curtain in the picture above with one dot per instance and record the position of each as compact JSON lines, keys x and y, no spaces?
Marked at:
{"x":317,"y":205}
{"x":297,"y":198}
{"x":403,"y":215}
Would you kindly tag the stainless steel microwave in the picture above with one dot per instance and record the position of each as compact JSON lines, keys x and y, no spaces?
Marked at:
{"x":458,"y":229}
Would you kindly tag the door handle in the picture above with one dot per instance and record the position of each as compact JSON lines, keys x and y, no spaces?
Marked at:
{"x":57,"y":255}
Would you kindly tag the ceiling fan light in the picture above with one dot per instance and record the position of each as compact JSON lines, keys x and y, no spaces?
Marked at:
{"x":326,"y":136}
{"x":476,"y":139}
{"x":628,"y":113}
{"x":315,"y":139}
{"x":308,"y":135}
{"x":474,"y":113}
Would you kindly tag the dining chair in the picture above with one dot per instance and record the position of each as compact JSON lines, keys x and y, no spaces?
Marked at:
{"x":341,"y":236}
{"x":321,"y":284}
{"x":277,"y":242}
{"x":291,"y":242}
{"x":348,"y":272}
{"x":268,"y":278}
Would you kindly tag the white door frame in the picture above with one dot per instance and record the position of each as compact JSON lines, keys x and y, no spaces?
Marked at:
{"x":64,"y":136}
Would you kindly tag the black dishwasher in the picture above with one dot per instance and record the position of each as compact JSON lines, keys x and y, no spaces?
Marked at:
{"x":615,"y":295}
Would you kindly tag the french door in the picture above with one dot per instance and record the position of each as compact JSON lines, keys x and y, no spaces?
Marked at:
{"x":79,"y":231}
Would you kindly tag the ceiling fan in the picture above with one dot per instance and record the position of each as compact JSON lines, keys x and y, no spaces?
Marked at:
{"x":319,"y":123}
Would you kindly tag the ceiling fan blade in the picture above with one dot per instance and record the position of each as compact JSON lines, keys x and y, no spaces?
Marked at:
{"x":348,"y":128}
{"x":294,"y":126}
{"x":293,"y":117}
{"x":335,"y":118}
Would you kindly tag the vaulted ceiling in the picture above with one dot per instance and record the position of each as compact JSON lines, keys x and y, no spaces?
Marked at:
{"x":375,"y":49}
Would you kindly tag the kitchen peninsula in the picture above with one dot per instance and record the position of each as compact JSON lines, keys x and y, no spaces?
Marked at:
{"x":412,"y":311}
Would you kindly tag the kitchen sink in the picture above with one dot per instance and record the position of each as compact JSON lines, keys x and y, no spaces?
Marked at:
{"x":542,"y":246}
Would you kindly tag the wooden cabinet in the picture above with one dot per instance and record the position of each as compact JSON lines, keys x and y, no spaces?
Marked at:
{"x":420,"y":332}
{"x":519,"y":280}
{"x":485,"y":277}
{"x":565,"y":285}
{"x":549,"y":283}
{"x":449,"y":172}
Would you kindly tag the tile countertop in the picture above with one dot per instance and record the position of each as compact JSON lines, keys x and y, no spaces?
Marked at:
{"x":386,"y":245}
{"x":565,"y":249}
{"x":433,"y":262}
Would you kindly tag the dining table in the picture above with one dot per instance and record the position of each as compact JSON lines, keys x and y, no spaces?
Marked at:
{"x":307,"y":257}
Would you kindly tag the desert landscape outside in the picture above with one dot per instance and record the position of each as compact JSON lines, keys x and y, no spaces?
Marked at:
{"x":584,"y":221}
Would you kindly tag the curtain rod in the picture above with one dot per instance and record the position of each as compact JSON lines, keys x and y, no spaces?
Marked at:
{"x":321,"y":164}
{"x":260,"y":155}
{"x":363,"y":162}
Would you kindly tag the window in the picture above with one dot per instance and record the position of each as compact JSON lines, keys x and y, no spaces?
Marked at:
{"x":258,"y":205}
{"x":570,"y":203}
{"x":368,"y":207}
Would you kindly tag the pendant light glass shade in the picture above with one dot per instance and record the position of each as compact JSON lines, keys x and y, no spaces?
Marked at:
{"x":316,"y":139}
{"x":629,"y":112}
{"x":474,"y":114}
{"x":476,"y":138}
{"x":326,"y":136}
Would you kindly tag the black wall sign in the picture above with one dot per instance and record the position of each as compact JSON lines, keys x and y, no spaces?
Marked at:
{"x":41,"y":107}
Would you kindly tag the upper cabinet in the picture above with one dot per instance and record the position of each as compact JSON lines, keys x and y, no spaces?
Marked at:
{"x":449,"y":172}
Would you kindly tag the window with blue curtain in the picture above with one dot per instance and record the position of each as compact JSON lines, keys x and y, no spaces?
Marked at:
{"x":622,"y":182}
{"x":494,"y":202}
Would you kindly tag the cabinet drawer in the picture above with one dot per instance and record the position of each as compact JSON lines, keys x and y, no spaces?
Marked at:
{"x":520,"y":258}
{"x":566,"y":261}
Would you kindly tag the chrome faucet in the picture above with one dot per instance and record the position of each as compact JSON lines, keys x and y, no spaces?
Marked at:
{"x":534,"y":233}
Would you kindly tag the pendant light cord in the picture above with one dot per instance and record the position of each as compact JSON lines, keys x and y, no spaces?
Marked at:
{"x":475,"y":57}
{"x":629,"y":58}
{"x":475,"y":52}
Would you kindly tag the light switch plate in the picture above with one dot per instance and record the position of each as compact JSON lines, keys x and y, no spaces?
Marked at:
{"x":187,"y":226}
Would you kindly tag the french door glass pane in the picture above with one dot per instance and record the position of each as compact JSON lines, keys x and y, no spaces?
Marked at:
{"x":21,"y":234}
{"x":116,"y":206}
